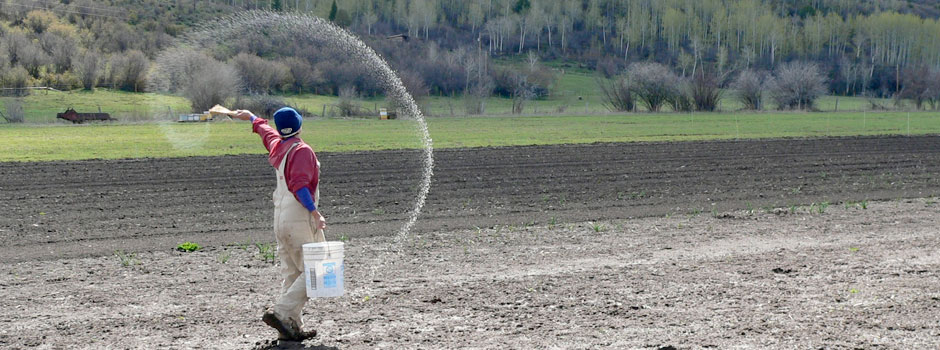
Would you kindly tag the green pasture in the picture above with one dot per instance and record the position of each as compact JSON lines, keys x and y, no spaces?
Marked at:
{"x":575,"y":93}
{"x":42,"y":106}
{"x":38,"y":142}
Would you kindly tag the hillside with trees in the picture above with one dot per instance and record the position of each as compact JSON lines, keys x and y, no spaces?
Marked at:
{"x":875,"y":48}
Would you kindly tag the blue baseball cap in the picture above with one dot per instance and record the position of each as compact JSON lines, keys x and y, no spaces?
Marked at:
{"x":287,"y":121}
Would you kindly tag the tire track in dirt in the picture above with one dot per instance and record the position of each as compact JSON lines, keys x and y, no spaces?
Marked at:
{"x":66,"y":209}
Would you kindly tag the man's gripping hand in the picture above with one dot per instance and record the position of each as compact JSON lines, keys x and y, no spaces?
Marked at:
{"x":318,"y":219}
{"x":242,"y":114}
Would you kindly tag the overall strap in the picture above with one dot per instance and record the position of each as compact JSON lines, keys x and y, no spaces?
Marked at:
{"x":289,"y":150}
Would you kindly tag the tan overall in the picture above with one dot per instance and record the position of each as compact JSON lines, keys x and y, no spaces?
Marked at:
{"x":293,"y":227}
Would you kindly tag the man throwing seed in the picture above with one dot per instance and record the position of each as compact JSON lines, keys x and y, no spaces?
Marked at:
{"x":296,"y":218}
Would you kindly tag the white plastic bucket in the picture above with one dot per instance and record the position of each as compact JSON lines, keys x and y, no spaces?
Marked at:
{"x":323,"y":269}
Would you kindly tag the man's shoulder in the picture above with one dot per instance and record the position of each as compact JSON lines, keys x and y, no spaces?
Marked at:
{"x":303,"y":146}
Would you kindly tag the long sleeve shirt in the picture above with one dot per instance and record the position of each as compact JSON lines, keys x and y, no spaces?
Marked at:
{"x":302,"y":171}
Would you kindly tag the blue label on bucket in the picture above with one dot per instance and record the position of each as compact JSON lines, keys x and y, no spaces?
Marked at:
{"x":329,"y":275}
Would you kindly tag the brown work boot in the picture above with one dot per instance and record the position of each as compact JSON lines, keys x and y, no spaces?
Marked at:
{"x":284,"y":330}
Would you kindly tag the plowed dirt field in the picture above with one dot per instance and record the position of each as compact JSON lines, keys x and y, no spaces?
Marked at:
{"x":804,"y":243}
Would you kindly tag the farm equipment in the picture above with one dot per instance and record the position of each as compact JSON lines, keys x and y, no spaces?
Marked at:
{"x":196,"y":117}
{"x":78,"y":118}
{"x":385,"y":115}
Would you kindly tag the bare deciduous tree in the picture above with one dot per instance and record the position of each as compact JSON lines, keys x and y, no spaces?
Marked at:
{"x":60,"y":49}
{"x":680,"y":96}
{"x":200,"y":78}
{"x":475,"y":97}
{"x":920,"y":85}
{"x":213,"y":84}
{"x":617,"y":95}
{"x":88,"y":67}
{"x":14,"y":114}
{"x":15,"y":80}
{"x":652,"y":83}
{"x":129,"y":71}
{"x":706,"y":92}
{"x":797,"y":85}
{"x":259,"y":75}
{"x":749,"y":89}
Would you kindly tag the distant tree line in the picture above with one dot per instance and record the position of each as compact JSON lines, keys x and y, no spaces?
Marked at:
{"x":880,"y":48}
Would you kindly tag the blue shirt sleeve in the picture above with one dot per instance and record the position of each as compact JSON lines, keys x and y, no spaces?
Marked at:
{"x":306,"y":199}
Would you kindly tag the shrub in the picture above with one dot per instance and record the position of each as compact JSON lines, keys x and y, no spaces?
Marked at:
{"x":39,"y":20}
{"x":14,"y":114}
{"x":797,"y":85}
{"x":211,"y":85}
{"x":33,"y":58}
{"x":617,"y":96}
{"x":15,"y":80}
{"x":921,"y":85}
{"x":129,"y":71}
{"x":348,"y":107}
{"x":62,"y":81}
{"x":475,"y":96}
{"x":608,"y":66}
{"x":705,"y":92}
{"x":303,"y":75}
{"x":259,"y":75}
{"x":200,"y":78}
{"x":680,"y":96}
{"x":749,"y":87}
{"x":61,"y":50}
{"x":88,"y":68}
{"x":652,"y":83}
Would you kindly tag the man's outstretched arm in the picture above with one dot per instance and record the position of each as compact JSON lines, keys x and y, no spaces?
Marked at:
{"x":269,"y":136}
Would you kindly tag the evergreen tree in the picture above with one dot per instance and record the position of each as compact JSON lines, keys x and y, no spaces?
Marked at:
{"x":276,"y":5}
{"x":333,"y":11}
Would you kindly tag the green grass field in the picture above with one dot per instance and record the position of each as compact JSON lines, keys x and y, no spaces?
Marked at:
{"x":39,"y":142}
{"x":42,"y":106}
{"x":575,"y":93}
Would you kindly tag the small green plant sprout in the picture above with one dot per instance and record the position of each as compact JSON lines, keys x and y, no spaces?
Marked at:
{"x":266,"y":252}
{"x":792,"y":208}
{"x":750,"y":208}
{"x":853,"y":291}
{"x":552,"y":222}
{"x":864,"y":204}
{"x":822,"y":207}
{"x":379,"y":211}
{"x":224,"y":257}
{"x":126,"y":259}
{"x":597,"y":227}
{"x":344,"y":238}
{"x":188,"y":247}
{"x":853,"y":249}
{"x":244,"y":245}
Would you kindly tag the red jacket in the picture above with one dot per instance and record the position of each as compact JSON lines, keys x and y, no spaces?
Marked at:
{"x":302,"y":168}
